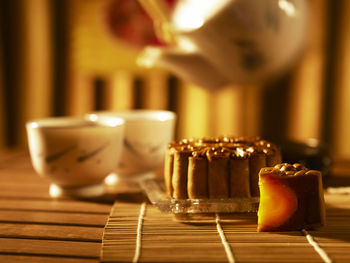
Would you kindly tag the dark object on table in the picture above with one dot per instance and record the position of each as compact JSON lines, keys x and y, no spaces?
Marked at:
{"x":312,"y":153}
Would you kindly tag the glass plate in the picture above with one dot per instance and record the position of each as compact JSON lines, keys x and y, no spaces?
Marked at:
{"x":156,"y":193}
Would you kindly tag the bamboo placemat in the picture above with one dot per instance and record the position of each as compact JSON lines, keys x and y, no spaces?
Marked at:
{"x":140,"y":233}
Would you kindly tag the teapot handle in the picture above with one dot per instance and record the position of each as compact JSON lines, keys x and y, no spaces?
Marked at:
{"x":160,"y":13}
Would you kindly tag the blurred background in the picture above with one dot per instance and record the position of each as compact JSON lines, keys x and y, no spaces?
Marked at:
{"x":68,"y":57}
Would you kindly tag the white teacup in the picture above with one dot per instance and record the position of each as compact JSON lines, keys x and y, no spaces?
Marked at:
{"x":147,"y":133}
{"x":75,"y":154}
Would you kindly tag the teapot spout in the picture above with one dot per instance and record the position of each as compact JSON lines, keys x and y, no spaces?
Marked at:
{"x":190,"y":66}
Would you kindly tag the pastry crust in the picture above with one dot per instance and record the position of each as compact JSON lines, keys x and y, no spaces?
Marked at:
{"x":218,"y":186}
{"x":257,"y":161}
{"x":168,"y":170}
{"x":197,"y":184}
{"x":220,"y":167}
{"x":179,"y":178}
{"x":239,"y":177}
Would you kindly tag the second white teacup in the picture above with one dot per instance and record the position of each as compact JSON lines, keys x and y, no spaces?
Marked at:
{"x":147,"y":133}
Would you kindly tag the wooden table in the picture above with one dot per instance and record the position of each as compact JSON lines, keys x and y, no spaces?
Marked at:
{"x":36,"y":228}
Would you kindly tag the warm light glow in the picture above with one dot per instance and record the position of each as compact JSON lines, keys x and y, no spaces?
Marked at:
{"x":33,"y":125}
{"x":190,"y":21}
{"x":186,"y":45}
{"x":312,"y":142}
{"x":114,"y":122}
{"x":240,"y":152}
{"x":163,"y":116}
{"x":55,"y":191}
{"x":148,"y":57}
{"x":93,"y":117}
{"x":111,"y":179}
{"x":191,"y":14}
{"x":287,"y":6}
{"x":250,"y":149}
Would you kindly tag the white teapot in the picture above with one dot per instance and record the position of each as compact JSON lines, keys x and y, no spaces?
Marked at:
{"x":212,"y":43}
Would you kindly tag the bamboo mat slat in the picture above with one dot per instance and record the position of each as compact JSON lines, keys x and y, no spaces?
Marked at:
{"x":164,"y":239}
{"x":9,"y":156}
{"x":53,"y":218}
{"x":43,"y":259}
{"x":14,"y":159}
{"x":13,"y":191}
{"x":55,"y":206}
{"x":85,"y":250}
{"x":51,"y":232}
{"x":21,"y":176}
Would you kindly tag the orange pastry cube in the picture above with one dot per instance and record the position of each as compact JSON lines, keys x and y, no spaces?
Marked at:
{"x":291,"y":198}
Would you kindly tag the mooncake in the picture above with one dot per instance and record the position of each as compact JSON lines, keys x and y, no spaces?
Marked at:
{"x":291,"y":198}
{"x":217,"y":168}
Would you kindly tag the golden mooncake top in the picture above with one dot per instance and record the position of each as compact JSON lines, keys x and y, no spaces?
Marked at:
{"x":226,"y":146}
{"x":286,"y":169}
